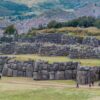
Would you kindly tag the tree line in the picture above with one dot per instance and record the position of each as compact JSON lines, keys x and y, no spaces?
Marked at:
{"x":79,"y":22}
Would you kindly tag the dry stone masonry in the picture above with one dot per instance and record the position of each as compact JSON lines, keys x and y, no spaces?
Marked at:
{"x":86,"y":74}
{"x":44,"y":49}
{"x":52,"y":44}
{"x":41,"y":70}
{"x":84,"y":52}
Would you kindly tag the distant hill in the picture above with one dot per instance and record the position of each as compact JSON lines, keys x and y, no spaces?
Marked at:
{"x":45,"y":7}
{"x":58,"y":14}
{"x":29,"y":3}
{"x":8,"y":8}
{"x":89,"y":10}
{"x":54,"y":3}
{"x":60,"y":10}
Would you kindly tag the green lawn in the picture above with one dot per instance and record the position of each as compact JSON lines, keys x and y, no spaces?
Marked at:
{"x":47,"y":94}
{"x":24,"y":89}
{"x":85,"y":62}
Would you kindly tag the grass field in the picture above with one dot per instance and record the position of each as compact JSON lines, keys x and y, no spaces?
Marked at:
{"x":84,"y":62}
{"x":74,"y":31}
{"x":27,"y":89}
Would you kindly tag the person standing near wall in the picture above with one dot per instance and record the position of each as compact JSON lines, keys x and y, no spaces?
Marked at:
{"x":0,"y":76}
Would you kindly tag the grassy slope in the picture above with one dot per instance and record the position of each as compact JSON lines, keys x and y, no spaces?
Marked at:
{"x":75,"y":31}
{"x":24,"y":89}
{"x":86,"y":62}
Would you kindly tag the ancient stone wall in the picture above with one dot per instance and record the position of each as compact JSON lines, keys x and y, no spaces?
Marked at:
{"x":55,"y":71}
{"x":87,"y":75}
{"x":41,"y":70}
{"x":3,"y":60}
{"x":55,"y":38}
{"x":57,"y":44}
{"x":49,"y":38}
{"x":72,"y":51}
{"x":84,"y":52}
{"x":22,"y":48}
{"x":54,"y":50}
{"x":91,"y":41}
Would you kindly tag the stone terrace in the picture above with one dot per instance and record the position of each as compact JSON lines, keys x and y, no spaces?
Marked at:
{"x":41,"y":70}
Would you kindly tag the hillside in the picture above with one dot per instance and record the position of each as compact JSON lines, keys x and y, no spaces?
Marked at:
{"x":58,"y":14}
{"x":8,"y":8}
{"x":40,"y":7}
{"x":27,"y":89}
{"x":55,"y":3}
{"x":42,"y":12}
{"x":29,"y":3}
{"x":89,"y":10}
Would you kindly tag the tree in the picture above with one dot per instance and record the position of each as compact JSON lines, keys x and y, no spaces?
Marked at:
{"x":97,"y":23}
{"x":86,"y":21}
{"x":54,"y":24}
{"x":81,"y":22}
{"x":10,"y":30}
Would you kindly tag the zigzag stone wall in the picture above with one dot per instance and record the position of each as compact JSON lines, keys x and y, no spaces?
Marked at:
{"x":55,"y":71}
{"x":44,"y":49}
{"x":53,"y":44}
{"x":40,"y":70}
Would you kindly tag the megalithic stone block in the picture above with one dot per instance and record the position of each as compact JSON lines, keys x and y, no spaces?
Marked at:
{"x":10,"y":72}
{"x":52,"y":75}
{"x":60,"y":75}
{"x":37,"y":76}
{"x":15,"y":73}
